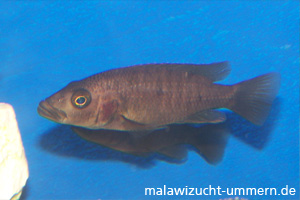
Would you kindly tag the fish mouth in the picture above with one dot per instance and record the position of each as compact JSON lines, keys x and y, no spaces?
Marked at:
{"x":48,"y":111}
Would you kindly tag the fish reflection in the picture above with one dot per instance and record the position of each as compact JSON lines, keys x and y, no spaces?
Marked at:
{"x":209,"y":140}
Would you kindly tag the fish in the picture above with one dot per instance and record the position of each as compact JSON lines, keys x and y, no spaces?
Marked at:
{"x":208,"y":140}
{"x":147,"y":97}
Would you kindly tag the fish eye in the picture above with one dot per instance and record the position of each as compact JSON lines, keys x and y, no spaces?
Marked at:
{"x":81,"y":98}
{"x":80,"y":101}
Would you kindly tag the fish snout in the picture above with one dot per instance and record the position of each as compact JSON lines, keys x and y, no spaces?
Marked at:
{"x":45,"y":109}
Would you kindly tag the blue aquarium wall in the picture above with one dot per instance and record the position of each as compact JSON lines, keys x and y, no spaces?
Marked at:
{"x":44,"y":45}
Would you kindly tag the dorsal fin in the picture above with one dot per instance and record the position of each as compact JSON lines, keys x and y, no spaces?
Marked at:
{"x":214,"y":71}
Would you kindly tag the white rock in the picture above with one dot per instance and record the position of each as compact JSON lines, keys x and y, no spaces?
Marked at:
{"x":13,"y":163}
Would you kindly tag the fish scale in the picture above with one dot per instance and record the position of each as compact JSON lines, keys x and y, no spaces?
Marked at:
{"x":152,"y":96}
{"x":181,"y":97}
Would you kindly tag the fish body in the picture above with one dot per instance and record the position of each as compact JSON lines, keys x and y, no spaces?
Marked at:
{"x":152,"y":96}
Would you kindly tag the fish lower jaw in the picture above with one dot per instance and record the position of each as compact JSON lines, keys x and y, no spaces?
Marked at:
{"x":46,"y":110}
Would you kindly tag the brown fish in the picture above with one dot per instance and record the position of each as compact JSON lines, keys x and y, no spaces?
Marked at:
{"x":209,"y":140}
{"x":152,"y":96}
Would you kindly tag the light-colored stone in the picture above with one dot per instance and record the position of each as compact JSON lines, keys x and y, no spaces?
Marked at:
{"x":13,"y":163}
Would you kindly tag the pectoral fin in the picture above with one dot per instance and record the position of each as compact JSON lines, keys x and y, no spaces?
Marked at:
{"x":208,"y":116}
{"x":176,"y":151}
{"x":134,"y":126}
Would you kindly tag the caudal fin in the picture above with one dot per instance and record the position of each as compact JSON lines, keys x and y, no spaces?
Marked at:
{"x":254,"y":97}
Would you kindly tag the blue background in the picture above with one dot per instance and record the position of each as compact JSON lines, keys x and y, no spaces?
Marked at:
{"x":45,"y":45}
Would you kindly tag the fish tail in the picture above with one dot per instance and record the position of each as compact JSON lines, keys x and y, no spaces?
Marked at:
{"x":253,"y":98}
